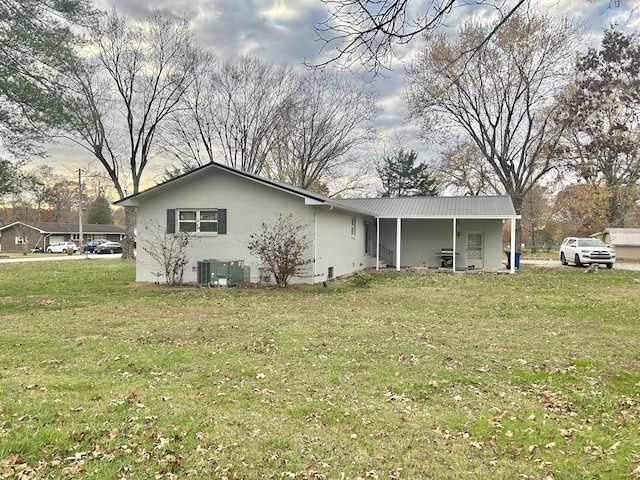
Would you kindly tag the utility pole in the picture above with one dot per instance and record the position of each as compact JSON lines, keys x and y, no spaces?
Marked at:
{"x":80,"y":209}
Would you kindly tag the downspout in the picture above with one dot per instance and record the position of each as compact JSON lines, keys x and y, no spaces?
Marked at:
{"x":377,"y":243}
{"x":398,"y":240}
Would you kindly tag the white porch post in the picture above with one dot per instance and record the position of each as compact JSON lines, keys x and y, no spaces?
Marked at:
{"x":315,"y":243}
{"x":512,"y":261}
{"x":455,"y":231}
{"x":377,"y":244}
{"x":398,"y":240}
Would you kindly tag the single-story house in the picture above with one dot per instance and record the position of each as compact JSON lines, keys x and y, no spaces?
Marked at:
{"x":14,"y":236}
{"x":223,"y":206}
{"x":625,"y":241}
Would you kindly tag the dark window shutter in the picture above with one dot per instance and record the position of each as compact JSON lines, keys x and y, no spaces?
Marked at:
{"x":171,"y":220}
{"x":222,"y":221}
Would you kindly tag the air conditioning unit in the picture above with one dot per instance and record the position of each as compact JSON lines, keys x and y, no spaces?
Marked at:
{"x":217,"y":273}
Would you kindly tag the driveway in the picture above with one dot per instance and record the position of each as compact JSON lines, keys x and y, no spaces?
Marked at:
{"x":557,"y":264}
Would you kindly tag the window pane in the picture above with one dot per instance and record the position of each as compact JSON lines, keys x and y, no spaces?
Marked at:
{"x":208,"y":226}
{"x":187,"y":215}
{"x":187,"y":226}
{"x":208,"y":215}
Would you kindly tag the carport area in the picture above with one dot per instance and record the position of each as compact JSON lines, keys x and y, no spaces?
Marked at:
{"x":456,"y":233}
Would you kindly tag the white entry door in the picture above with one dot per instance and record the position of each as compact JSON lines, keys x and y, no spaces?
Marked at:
{"x":475,"y":249}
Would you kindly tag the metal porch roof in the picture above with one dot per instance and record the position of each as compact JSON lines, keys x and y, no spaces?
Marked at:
{"x":434,"y":207}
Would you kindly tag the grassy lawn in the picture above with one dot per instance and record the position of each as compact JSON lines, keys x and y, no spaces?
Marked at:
{"x":419,"y":376}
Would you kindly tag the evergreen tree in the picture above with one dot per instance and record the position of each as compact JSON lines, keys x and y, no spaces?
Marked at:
{"x":402,"y":177}
{"x":100,"y":212}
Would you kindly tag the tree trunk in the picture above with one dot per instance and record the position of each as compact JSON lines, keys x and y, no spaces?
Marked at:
{"x":129,"y":235}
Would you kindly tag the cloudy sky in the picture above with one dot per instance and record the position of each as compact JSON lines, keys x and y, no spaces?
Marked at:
{"x":282,"y":32}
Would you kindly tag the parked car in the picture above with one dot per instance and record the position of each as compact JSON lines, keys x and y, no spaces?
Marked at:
{"x":62,"y":247}
{"x":109,"y":247}
{"x":90,"y":247}
{"x":585,"y":251}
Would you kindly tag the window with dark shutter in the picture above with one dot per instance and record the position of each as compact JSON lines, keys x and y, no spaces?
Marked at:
{"x":203,"y":221}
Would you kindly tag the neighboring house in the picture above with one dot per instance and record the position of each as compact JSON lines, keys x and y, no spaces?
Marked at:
{"x":18,"y":236}
{"x":625,"y":241}
{"x":228,"y":205}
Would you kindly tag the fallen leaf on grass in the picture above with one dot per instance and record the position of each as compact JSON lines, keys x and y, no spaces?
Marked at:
{"x":113,"y":434}
{"x":614,"y":447}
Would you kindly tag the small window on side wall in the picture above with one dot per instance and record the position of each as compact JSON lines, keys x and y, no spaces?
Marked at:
{"x":197,"y":220}
{"x":353,"y":227}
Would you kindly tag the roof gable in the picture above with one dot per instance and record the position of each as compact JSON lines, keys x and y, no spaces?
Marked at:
{"x":310,"y":197}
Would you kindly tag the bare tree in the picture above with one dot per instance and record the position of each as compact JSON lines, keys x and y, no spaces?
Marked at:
{"x":501,"y":97}
{"x":251,"y":97}
{"x":330,"y":118}
{"x":302,"y":129}
{"x":464,"y":171}
{"x":235,"y":113}
{"x":189,"y":137}
{"x":364,"y":32}
{"x":139,"y":75}
{"x":601,"y":112}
